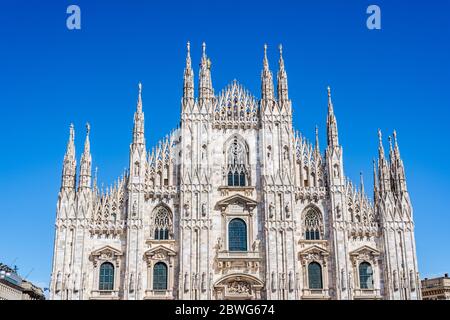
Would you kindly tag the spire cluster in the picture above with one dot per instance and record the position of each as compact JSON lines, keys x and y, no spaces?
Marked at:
{"x":391,"y":173}
{"x":70,"y":164}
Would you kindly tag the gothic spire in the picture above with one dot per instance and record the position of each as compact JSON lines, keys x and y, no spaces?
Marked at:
{"x":383,"y":167}
{"x":86,"y":161}
{"x":282,"y":84}
{"x":138,"y":129}
{"x":205,"y":88}
{"x":188,"y":78}
{"x":397,"y":167}
{"x":332,"y":131}
{"x":317,"y":147}
{"x":396,"y":148}
{"x":361,"y":183}
{"x":266,"y":79}
{"x":391,"y":150}
{"x":380,"y":145}
{"x":375,"y":184}
{"x":70,"y":163}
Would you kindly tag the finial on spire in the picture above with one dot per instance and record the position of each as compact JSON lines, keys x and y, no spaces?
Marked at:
{"x":139,"y":103}
{"x":204,"y":49}
{"x":88,"y":128}
{"x":380,"y":137}
{"x":330,"y":103}
{"x":188,"y":47}
{"x":72,"y":132}
{"x":265,"y":61}
{"x":317,"y":137}
{"x":361,"y":182}
{"x":280,"y":47}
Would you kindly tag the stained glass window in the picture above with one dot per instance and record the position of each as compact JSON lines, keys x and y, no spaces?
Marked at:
{"x":160,"y":276}
{"x":106,"y":276}
{"x":237,"y":235}
{"x":365,"y":275}
{"x":315,"y":276}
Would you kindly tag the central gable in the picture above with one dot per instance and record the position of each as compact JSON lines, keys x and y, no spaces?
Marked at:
{"x":235,"y":106}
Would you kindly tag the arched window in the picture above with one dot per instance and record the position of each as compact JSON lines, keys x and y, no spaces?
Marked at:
{"x":237,"y":235}
{"x":160,"y":276}
{"x":315,"y":276}
{"x":365,"y":275}
{"x":313,"y":223}
{"x":162,"y":223}
{"x":106,"y":281}
{"x":236,"y":164}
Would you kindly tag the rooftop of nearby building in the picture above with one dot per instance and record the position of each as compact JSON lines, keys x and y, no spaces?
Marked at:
{"x":436,"y":282}
{"x":10,"y":276}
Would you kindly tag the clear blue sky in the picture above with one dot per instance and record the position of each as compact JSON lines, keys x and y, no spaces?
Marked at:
{"x":395,"y":78}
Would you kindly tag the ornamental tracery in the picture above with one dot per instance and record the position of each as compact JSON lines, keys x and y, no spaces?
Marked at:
{"x":313,"y":224}
{"x":162,"y":223}
{"x":237,"y":163}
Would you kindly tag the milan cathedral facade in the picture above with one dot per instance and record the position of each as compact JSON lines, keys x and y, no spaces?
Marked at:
{"x":234,"y":204}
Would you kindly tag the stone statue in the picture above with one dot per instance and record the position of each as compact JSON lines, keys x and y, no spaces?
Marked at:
{"x":271,"y":210}
{"x":287,"y":210}
{"x":131,"y":287}
{"x":219,"y":243}
{"x":203,"y":209}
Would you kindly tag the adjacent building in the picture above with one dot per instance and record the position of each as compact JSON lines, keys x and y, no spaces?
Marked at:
{"x":234,"y":204}
{"x":436,"y":288}
{"x":13,"y":287}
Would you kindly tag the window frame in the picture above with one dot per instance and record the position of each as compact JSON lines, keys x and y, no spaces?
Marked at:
{"x":364,"y":285}
{"x":243,"y":245}
{"x":156,"y":277}
{"x":310,"y":279}
{"x":103,"y":283}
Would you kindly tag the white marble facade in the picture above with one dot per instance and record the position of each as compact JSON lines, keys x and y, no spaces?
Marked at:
{"x":234,"y":204}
